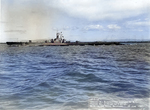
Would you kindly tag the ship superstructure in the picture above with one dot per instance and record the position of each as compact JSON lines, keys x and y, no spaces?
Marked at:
{"x":58,"y":41}
{"x":59,"y":38}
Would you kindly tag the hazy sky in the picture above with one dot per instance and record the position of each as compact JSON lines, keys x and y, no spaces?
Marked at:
{"x":83,"y":20}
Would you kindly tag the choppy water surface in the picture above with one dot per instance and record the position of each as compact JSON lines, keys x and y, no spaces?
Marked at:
{"x":65,"y":78}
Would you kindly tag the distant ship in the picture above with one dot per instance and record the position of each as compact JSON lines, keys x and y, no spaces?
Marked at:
{"x":60,"y":41}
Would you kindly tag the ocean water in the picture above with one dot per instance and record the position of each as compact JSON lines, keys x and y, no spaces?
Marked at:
{"x":74,"y":77}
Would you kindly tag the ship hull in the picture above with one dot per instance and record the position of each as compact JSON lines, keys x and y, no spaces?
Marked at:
{"x":54,"y":44}
{"x":14,"y":43}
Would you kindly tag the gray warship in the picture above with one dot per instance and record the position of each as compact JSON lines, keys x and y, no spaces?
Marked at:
{"x":60,"y":41}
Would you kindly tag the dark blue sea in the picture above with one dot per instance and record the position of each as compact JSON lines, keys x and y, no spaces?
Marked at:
{"x":75,"y":77}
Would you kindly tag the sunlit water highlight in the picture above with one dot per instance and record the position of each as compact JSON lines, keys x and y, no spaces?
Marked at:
{"x":65,"y":78}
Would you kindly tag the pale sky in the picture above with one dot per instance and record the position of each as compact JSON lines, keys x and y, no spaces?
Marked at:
{"x":82,"y":20}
